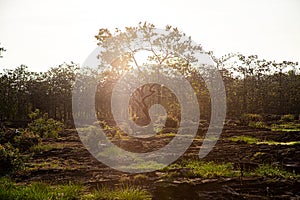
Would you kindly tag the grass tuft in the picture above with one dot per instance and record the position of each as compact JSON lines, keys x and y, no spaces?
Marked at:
{"x":270,"y":171}
{"x":38,"y":191}
{"x":247,"y":139}
{"x":211,"y":169}
{"x":122,"y":193}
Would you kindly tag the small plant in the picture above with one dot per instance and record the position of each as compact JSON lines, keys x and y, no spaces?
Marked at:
{"x":44,"y":126}
{"x":246,"y":139}
{"x":124,"y":179}
{"x":14,"y":145}
{"x":10,"y":158}
{"x":37,"y":191}
{"x":25,"y":140}
{"x":251,"y":140}
{"x":21,"y":139}
{"x":195,"y":168}
{"x":267,"y":170}
{"x":210,"y":169}
{"x":285,"y":127}
{"x":170,"y":134}
{"x":148,"y":165}
{"x":44,"y":147}
{"x":172,"y":167}
{"x":122,"y":193}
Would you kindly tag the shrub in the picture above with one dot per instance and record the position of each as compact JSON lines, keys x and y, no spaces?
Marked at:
{"x":13,"y":146}
{"x":10,"y":158}
{"x":21,"y":139}
{"x":25,"y":140}
{"x":43,"y":126}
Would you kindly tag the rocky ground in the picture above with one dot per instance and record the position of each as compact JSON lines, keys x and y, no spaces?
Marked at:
{"x":66,"y":160}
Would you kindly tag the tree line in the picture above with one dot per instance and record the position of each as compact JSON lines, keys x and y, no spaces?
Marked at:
{"x":23,"y":91}
{"x":253,"y":85}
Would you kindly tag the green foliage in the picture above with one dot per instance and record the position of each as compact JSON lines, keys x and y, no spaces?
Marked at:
{"x":14,"y":145}
{"x":253,"y":85}
{"x":246,"y":139}
{"x":38,"y":191}
{"x":19,"y":138}
{"x":252,"y":140}
{"x":202,"y":169}
{"x":267,"y":170}
{"x":24,"y":90}
{"x":122,"y":193}
{"x":285,"y":127}
{"x":148,"y":165}
{"x":17,"y":145}
{"x":25,"y":140}
{"x":210,"y":169}
{"x":10,"y":158}
{"x":44,"y":126}
{"x":44,"y":147}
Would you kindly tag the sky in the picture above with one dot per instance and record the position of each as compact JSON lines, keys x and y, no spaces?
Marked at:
{"x":43,"y":34}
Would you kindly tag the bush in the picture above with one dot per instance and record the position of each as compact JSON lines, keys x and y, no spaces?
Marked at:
{"x":43,"y":126}
{"x":25,"y":140}
{"x":10,"y":158}
{"x":21,"y":139}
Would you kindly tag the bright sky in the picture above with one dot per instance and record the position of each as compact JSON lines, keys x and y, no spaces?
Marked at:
{"x":44,"y":34}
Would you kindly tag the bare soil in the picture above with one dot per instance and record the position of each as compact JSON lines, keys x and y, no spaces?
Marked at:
{"x":70,"y":161}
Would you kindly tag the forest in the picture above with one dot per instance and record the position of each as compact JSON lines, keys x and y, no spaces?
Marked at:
{"x":253,"y":85}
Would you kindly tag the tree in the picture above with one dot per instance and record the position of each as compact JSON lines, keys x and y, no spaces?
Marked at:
{"x":166,"y":52}
{"x":1,"y":51}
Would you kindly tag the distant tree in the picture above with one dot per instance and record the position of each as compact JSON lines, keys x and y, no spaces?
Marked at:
{"x":1,"y":51}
